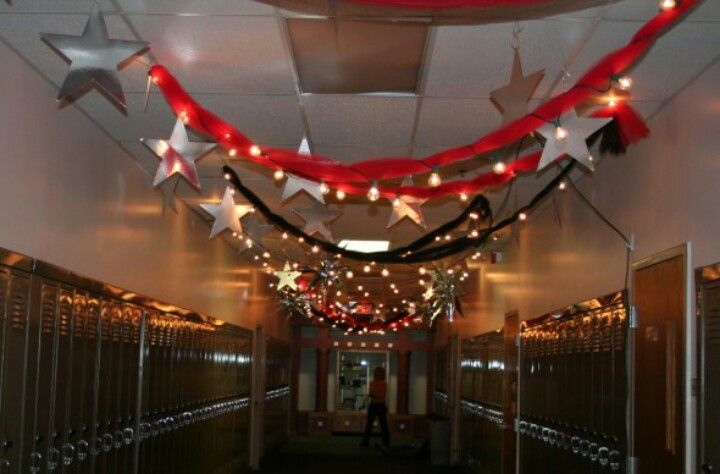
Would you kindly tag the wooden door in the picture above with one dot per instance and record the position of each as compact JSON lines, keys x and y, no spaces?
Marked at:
{"x":659,"y":298}
{"x":710,"y":367}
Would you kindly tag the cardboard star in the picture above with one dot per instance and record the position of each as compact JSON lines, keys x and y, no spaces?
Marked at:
{"x":512,"y":99}
{"x":227,"y":214}
{"x":178,"y":155}
{"x":294,"y":185}
{"x":255,"y":229}
{"x":574,"y":145}
{"x":287,"y":277}
{"x":316,"y":219}
{"x":407,"y":206}
{"x":94,"y":59}
{"x":168,"y":193}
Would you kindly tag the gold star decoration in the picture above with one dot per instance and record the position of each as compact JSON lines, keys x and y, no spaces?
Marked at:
{"x":407,"y":206}
{"x":512,"y":99}
{"x":287,"y":277}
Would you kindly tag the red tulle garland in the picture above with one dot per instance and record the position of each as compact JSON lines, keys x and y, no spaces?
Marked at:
{"x":357,"y":177}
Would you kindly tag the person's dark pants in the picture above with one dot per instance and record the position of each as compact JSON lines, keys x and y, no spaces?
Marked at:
{"x":379,"y":411}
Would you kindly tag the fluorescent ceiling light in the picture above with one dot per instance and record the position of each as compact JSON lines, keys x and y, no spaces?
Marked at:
{"x":365,"y":246}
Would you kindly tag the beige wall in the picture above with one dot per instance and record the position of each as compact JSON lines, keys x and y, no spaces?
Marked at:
{"x":71,"y":196}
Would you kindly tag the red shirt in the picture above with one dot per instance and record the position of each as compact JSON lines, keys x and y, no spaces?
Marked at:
{"x":378,"y":391}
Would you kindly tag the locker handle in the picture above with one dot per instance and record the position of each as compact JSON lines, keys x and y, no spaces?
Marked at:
{"x":128,"y":436}
{"x":118,"y":439}
{"x":35,"y":459}
{"x":68,"y":453}
{"x":107,"y":442}
{"x":4,"y":465}
{"x":53,"y":459}
{"x":82,"y":449}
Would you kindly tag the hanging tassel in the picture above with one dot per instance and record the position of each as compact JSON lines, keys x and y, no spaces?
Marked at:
{"x":626,"y":128}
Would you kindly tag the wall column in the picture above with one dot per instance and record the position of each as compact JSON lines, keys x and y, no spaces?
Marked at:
{"x":403,"y":382}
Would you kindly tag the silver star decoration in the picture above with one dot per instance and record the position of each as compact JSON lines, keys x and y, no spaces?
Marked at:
{"x":407,"y":206}
{"x":294,"y":185}
{"x":304,"y":148}
{"x":512,"y":99}
{"x":178,"y":155}
{"x":254,"y":228}
{"x":94,"y":59}
{"x":316,"y":219}
{"x":574,"y":144}
{"x":287,"y":277}
{"x":227,"y":214}
{"x":168,"y":192}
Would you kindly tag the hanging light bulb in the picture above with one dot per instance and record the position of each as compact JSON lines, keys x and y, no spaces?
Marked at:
{"x":227,"y":176}
{"x":366,"y":268}
{"x":562,"y":186}
{"x":266,"y":254}
{"x":295,"y":265}
{"x":666,"y":5}
{"x":474,"y":234}
{"x":324,"y":188}
{"x":422,"y":271}
{"x":522,"y":216}
{"x":360,"y":287}
{"x":625,"y":82}
{"x":285,"y":235}
{"x":232,"y":152}
{"x":373,"y":193}
{"x":385,"y":272}
{"x":349,"y":275}
{"x":255,"y":151}
{"x":366,"y":294}
{"x":301,"y":239}
{"x":561,"y":133}
{"x":340,"y":194}
{"x":421,"y":282}
{"x":499,"y":167}
{"x":315,"y":249}
{"x":396,"y":202}
{"x":434,"y":180}
{"x":278,"y":174}
{"x":249,"y":243}
{"x":463,"y":197}
{"x":338,"y":293}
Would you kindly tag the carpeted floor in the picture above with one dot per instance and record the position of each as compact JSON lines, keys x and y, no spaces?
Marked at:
{"x":342,"y":455}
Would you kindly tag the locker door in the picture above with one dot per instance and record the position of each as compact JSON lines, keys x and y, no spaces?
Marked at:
{"x":710,"y":366}
{"x":14,"y":327}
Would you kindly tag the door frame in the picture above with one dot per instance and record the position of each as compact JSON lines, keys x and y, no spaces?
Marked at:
{"x":703,"y":275}
{"x":690,"y":328}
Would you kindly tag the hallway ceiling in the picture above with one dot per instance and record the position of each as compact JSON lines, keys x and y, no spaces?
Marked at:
{"x":236,"y":58}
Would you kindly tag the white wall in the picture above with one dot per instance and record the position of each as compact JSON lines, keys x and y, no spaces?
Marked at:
{"x":71,"y":196}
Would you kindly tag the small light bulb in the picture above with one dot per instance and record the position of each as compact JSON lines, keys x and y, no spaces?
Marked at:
{"x":340,"y":194}
{"x":396,"y":291}
{"x":422,"y":271}
{"x":590,"y":158}
{"x":366,"y":268}
{"x":666,"y":5}
{"x":227,"y":176}
{"x":373,"y":193}
{"x":612,"y":102}
{"x":249,"y":242}
{"x":385,"y":272}
{"x":360,"y":287}
{"x":324,"y":188}
{"x":450,"y":271}
{"x":421,"y":282}
{"x":392,"y":286}
{"x":499,"y":167}
{"x":338,"y":293}
{"x":295,"y":265}
{"x":255,"y":151}
{"x":396,"y":202}
{"x":474,"y":216}
{"x":625,"y":82}
{"x":434,"y":180}
{"x":560,"y":133}
{"x":184,"y":117}
{"x":278,"y":175}
{"x":301,"y":239}
{"x":315,"y":249}
{"x":522,"y":216}
{"x":474,"y":234}
{"x":285,"y":235}
{"x":463,"y":197}
{"x":448,"y":237}
{"x":366,"y":294}
{"x":562,"y":186}
{"x":266,"y":254}
{"x":232,"y":152}
{"x":349,"y":275}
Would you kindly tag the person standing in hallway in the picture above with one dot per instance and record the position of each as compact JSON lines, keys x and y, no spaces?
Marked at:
{"x":378,"y":408}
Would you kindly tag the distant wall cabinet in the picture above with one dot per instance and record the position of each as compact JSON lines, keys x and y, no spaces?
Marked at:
{"x":354,"y":374}
{"x":320,"y":424}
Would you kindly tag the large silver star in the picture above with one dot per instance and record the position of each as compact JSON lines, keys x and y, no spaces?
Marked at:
{"x":254,"y":228}
{"x":94,"y":59}
{"x":316,"y":219}
{"x":178,"y":155}
{"x":574,"y":145}
{"x":294,"y":185}
{"x":512,"y":99}
{"x":227,"y":214}
{"x":407,"y":206}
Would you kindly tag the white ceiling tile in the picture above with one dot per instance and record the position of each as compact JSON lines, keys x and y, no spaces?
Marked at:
{"x":54,"y":6}
{"x":471,"y":61}
{"x":360,"y":120}
{"x":455,"y":122}
{"x":238,"y":54}
{"x":667,"y":66}
{"x":22,"y":32}
{"x":352,"y":154}
{"x":196,"y":7}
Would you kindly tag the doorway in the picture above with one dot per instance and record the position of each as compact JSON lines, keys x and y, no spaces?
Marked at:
{"x":659,"y":296}
{"x":708,"y":279}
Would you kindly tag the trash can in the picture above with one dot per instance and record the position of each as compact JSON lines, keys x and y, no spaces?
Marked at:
{"x":439,"y":441}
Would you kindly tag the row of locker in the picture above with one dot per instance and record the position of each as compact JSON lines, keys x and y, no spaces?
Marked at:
{"x":277,"y":396}
{"x":93,"y":380}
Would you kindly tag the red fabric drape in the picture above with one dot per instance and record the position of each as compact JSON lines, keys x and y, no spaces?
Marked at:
{"x":356,"y":178}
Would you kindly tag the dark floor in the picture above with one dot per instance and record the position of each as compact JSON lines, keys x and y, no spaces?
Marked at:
{"x":343,"y":455}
